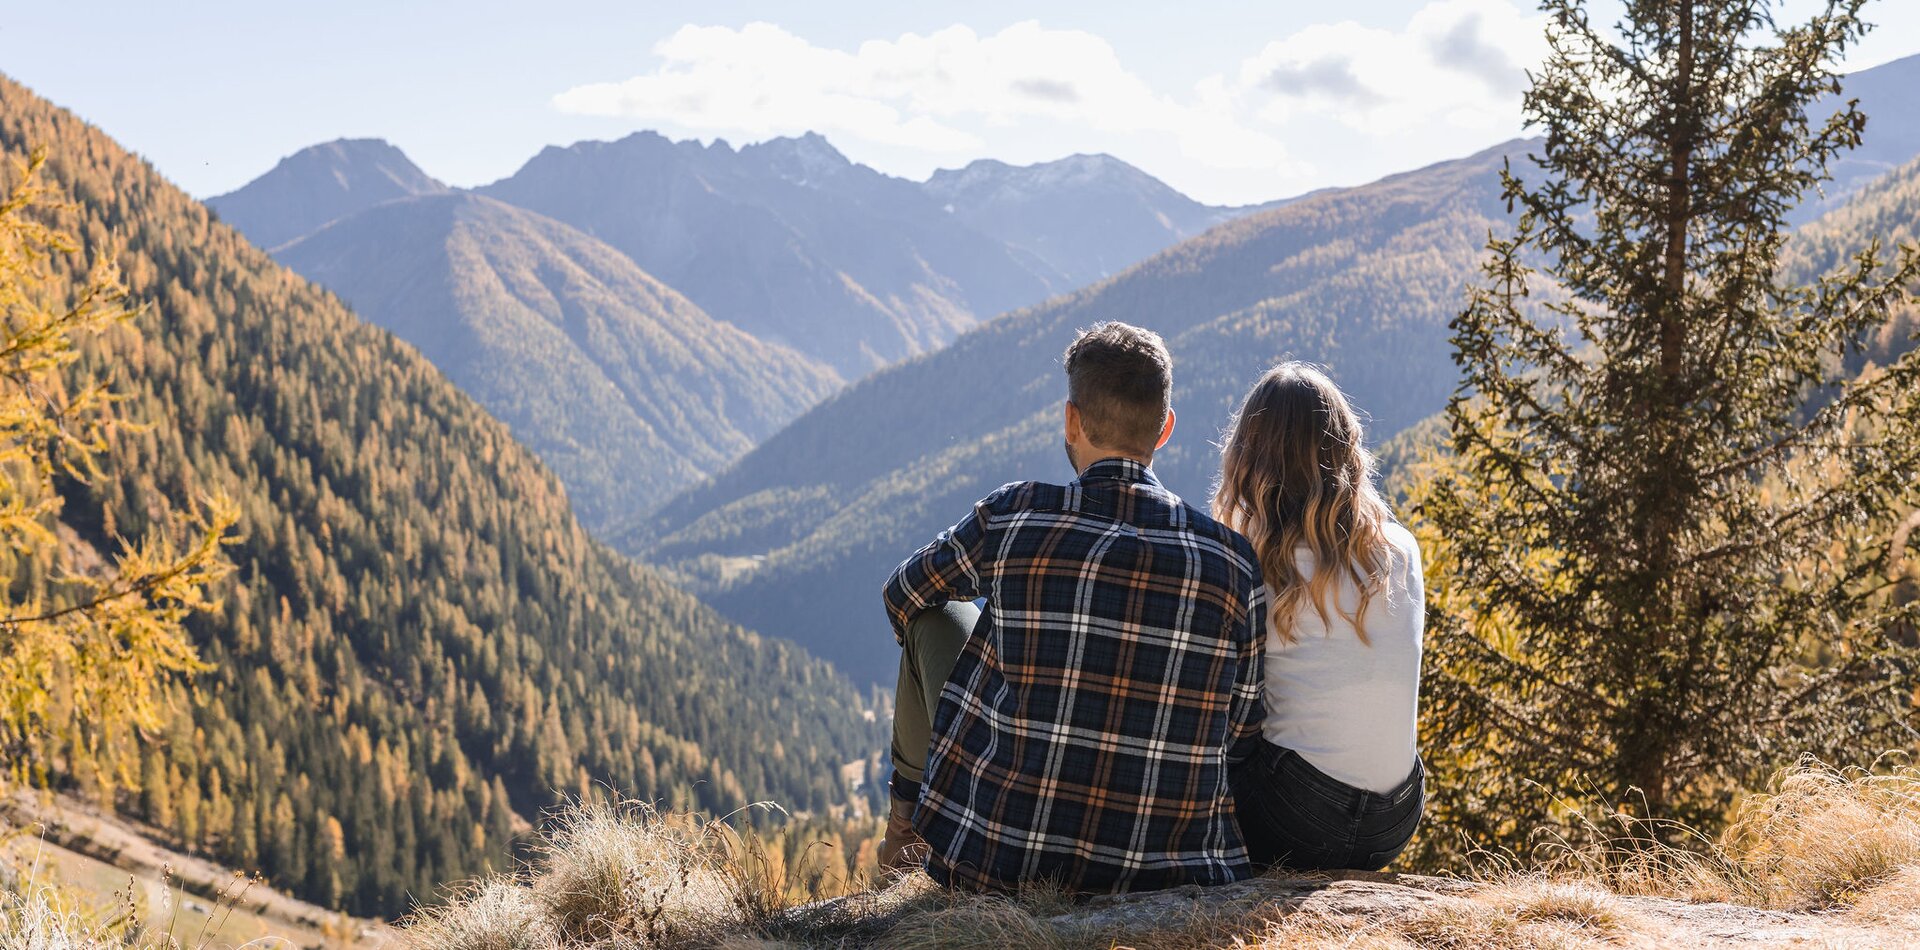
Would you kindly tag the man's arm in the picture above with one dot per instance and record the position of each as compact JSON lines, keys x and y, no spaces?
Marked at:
{"x":1249,"y":706}
{"x":952,"y":567}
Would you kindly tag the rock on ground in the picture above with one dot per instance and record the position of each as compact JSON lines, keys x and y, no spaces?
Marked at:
{"x":1401,"y":910}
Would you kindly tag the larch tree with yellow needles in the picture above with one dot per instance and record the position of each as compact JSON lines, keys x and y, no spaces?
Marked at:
{"x":87,"y":648}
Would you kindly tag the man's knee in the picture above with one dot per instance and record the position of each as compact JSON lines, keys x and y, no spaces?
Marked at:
{"x":945,"y":624}
{"x":934,"y":640}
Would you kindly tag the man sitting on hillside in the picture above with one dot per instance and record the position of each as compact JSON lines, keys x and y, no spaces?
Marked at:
{"x":1077,"y":731}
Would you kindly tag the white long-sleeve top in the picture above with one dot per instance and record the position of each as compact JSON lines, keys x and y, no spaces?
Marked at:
{"x":1350,"y":708}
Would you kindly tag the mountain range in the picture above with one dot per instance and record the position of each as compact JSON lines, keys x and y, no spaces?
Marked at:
{"x":787,"y":240}
{"x":641,"y":312}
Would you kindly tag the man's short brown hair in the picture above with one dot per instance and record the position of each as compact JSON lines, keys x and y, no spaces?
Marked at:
{"x":1121,"y":378}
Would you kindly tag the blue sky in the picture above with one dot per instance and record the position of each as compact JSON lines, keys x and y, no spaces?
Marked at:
{"x":1229,"y":100}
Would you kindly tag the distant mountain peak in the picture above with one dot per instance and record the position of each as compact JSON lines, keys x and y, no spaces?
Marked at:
{"x":1087,"y":215}
{"x":360,"y":163}
{"x":641,"y":137}
{"x":319,"y":184}
{"x":803,"y":159}
{"x":347,"y":145}
{"x":1081,"y":170}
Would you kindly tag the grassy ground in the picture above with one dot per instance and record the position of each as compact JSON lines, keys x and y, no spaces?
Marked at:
{"x":105,"y":884}
{"x":1827,"y":859}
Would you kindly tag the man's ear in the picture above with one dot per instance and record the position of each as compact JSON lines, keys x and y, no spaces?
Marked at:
{"x":1166,"y":432}
{"x":1073,"y":422}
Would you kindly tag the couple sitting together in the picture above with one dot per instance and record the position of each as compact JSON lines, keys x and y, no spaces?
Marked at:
{"x":1148,"y":696}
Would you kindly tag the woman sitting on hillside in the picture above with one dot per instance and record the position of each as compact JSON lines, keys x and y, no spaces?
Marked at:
{"x":1336,"y":781}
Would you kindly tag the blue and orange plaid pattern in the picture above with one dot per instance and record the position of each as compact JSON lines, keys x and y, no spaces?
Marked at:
{"x":1083,"y":738}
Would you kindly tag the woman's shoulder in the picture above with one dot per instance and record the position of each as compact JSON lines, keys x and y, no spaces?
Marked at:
{"x":1401,"y":538}
{"x":1406,"y":548}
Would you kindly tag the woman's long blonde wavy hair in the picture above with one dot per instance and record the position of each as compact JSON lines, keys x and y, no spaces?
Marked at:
{"x":1294,"y":474}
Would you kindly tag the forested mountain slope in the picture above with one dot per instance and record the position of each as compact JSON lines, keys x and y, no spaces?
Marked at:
{"x":1888,"y":209}
{"x":787,"y":240}
{"x":1886,"y":94}
{"x":1363,"y":280}
{"x":419,"y":643}
{"x":321,"y":183}
{"x":1087,"y":216}
{"x":624,"y":388}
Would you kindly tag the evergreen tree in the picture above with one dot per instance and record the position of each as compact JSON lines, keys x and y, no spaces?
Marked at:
{"x":1661,"y":549}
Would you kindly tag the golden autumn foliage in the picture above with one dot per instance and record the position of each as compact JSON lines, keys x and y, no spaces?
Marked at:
{"x":85,"y":652}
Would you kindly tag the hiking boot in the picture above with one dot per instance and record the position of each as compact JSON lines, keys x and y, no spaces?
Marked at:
{"x":901,"y":851}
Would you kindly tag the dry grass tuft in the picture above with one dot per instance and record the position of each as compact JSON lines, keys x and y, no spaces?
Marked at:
{"x":974,"y":923}
{"x":38,"y":919}
{"x":1820,"y":838}
{"x":1302,"y":932}
{"x":494,"y":914}
{"x":1825,"y":837}
{"x":1529,"y":915}
{"x":1463,"y":925}
{"x":619,"y":875}
{"x":623,"y":873}
{"x":1894,"y":900}
{"x":1520,"y":913}
{"x":1580,"y":904}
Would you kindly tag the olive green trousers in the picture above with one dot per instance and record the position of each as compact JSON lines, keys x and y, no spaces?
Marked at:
{"x":933,"y":643}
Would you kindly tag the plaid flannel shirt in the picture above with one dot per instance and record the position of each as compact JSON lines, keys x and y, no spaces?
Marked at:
{"x":1084,"y":735}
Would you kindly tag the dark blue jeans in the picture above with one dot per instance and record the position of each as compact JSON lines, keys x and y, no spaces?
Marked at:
{"x":1295,"y":816}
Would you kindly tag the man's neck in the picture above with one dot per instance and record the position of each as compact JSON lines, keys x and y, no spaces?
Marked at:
{"x":1103,"y":456}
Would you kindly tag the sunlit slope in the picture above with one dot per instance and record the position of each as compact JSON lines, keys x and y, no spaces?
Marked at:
{"x":420,"y":647}
{"x":1887,"y":210}
{"x":623,"y":387}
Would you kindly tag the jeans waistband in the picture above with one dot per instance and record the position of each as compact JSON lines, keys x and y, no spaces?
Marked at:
{"x":1306,"y":773}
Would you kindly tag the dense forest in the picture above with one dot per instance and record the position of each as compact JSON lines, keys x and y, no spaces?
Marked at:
{"x":419,"y":647}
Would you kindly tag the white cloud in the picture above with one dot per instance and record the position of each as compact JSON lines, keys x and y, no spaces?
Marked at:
{"x":1462,"y":60}
{"x":942,"y":92}
{"x":1449,"y":79}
